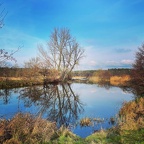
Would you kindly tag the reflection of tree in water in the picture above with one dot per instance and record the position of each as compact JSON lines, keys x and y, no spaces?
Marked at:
{"x":5,"y":94}
{"x":104,"y":84}
{"x":31,"y":95}
{"x":137,"y":74}
{"x":58,"y":102}
{"x":136,"y":90}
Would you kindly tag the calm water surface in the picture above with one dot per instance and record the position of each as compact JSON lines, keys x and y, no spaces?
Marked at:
{"x":66,"y":104}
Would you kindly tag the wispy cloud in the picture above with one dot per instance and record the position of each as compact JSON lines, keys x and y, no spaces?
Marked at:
{"x":123,"y":63}
{"x":127,"y":62}
{"x":100,"y":58}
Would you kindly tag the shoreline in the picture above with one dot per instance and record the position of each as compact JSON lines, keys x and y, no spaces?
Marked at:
{"x":20,"y":82}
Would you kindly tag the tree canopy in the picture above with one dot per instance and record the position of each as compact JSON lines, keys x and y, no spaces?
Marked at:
{"x":63,"y":52}
{"x":138,"y":72}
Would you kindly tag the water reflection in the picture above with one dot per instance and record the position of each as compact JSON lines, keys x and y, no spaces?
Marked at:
{"x":105,"y":84}
{"x":5,"y":94}
{"x":66,"y":104}
{"x":135,"y":89}
{"x":58,"y":103}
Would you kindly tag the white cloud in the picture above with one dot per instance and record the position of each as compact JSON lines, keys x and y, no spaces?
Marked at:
{"x":93,"y":63}
{"x":98,"y":57}
{"x":127,"y":61}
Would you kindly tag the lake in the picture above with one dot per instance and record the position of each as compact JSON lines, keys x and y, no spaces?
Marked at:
{"x":66,"y":104}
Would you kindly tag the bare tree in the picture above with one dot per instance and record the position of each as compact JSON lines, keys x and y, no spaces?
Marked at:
{"x":35,"y":68}
{"x":137,"y":81}
{"x":32,"y":69}
{"x":5,"y":55}
{"x":3,"y":14}
{"x":139,"y":60}
{"x":63,"y":52}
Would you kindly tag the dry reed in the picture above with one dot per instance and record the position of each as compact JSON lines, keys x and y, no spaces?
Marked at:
{"x":25,"y":128}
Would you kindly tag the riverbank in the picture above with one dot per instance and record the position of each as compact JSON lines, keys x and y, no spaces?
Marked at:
{"x":19,"y":77}
{"x":113,"y":80}
{"x":18,"y":82}
{"x":26,"y":128}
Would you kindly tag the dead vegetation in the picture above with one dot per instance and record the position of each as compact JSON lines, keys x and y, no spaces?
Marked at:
{"x":113,"y":80}
{"x":119,"y":80}
{"x":25,"y":128}
{"x":132,"y":115}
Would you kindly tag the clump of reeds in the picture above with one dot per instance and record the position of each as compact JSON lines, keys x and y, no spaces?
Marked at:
{"x":25,"y":128}
{"x":85,"y":122}
{"x":94,"y":79}
{"x":132,"y":115}
{"x":119,"y":80}
{"x":63,"y":132}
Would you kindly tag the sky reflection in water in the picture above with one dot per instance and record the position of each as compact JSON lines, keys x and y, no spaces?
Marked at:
{"x":65,"y":104}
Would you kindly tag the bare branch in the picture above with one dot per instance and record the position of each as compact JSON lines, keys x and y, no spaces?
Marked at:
{"x":3,"y":14}
{"x":63,"y":52}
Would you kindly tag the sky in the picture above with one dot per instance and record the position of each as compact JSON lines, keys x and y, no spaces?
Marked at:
{"x":110,"y":31}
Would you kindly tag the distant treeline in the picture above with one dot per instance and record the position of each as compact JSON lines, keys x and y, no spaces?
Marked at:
{"x":109,"y":72}
{"x":19,"y":72}
{"x":12,"y":72}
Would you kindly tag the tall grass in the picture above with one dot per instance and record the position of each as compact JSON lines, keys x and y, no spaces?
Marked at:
{"x":119,"y":80}
{"x":113,"y":80}
{"x":132,"y":115}
{"x":94,"y":79}
{"x":130,"y":129}
{"x":25,"y":128}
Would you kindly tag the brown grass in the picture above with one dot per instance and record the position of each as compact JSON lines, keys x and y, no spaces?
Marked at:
{"x":114,"y":80}
{"x":132,"y":115}
{"x":11,"y":78}
{"x":94,"y":79}
{"x":25,"y":128}
{"x":85,"y":122}
{"x":78,"y":77}
{"x":119,"y":80}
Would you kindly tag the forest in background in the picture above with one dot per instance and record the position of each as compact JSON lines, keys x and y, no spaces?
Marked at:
{"x":103,"y":73}
{"x":19,"y":72}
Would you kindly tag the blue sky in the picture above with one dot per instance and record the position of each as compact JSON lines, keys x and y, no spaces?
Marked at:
{"x":110,"y":31}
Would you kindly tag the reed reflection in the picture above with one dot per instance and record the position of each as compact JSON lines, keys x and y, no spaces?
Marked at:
{"x":56,"y":102}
